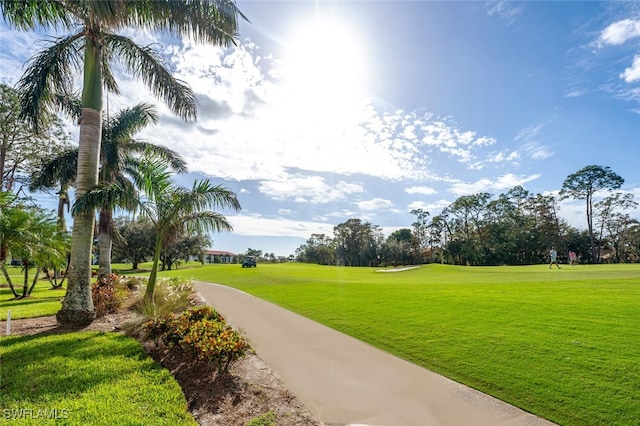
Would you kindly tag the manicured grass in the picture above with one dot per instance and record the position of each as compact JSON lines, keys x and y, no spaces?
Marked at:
{"x":563,"y":344}
{"x":86,"y":378}
{"x":43,"y":301}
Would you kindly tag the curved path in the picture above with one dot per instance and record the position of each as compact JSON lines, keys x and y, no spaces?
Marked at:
{"x":345,"y":381}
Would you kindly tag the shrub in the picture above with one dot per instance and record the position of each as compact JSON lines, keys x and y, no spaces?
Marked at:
{"x":202,"y":334}
{"x":267,"y":419}
{"x":202,"y":312}
{"x":159,"y":329}
{"x":107,"y":297}
{"x":215,"y":343}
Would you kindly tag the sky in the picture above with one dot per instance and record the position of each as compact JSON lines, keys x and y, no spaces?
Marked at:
{"x":331,"y":110}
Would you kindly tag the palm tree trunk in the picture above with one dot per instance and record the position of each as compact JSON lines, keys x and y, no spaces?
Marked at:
{"x":3,"y":268}
{"x":105,"y":242}
{"x":151,"y":285}
{"x":77,"y":305}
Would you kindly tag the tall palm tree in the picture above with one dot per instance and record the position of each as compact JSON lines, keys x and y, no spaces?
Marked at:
{"x":174,"y":209}
{"x":94,"y":26}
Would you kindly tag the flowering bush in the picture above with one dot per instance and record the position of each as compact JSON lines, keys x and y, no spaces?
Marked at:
{"x":160,"y":328}
{"x":202,"y":312}
{"x":215,"y":343}
{"x":202,"y":334}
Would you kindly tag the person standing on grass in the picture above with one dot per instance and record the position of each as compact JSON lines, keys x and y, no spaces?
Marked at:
{"x":572,"y":258}
{"x":553,"y":254}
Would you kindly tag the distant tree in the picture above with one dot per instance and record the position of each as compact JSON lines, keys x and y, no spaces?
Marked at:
{"x":583,"y":185}
{"x":467,"y":214}
{"x":633,"y":238}
{"x":578,"y":242}
{"x":183,"y":249}
{"x":611,"y":220}
{"x":357,"y":243}
{"x":549,"y":228}
{"x":22,"y":150}
{"x":421,"y":230}
{"x":318,"y":249}
{"x":440,"y":232}
{"x":254,"y":252}
{"x":402,"y":247}
{"x":619,"y":232}
{"x":134,"y":241}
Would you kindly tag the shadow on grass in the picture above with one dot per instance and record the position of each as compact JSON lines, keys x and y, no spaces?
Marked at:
{"x":75,"y":363}
{"x":29,"y":301}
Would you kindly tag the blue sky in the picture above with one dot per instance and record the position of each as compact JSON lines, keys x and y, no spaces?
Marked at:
{"x":331,"y":110}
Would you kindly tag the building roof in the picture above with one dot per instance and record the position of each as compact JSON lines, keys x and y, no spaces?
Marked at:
{"x":219,"y":253}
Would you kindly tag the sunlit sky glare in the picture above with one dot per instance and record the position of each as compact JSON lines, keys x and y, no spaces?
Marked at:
{"x":326,"y":111}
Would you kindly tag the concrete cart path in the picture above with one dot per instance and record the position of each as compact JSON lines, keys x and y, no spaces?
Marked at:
{"x":345,"y":381}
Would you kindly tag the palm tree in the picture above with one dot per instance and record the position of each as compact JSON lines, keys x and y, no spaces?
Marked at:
{"x":33,"y":237}
{"x":94,"y":26}
{"x":174,"y":210}
{"x":117,"y":161}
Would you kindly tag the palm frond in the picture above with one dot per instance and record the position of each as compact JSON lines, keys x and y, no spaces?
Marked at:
{"x":112,"y":195}
{"x":206,"y":21}
{"x":153,"y":177}
{"x":49,"y":73}
{"x":169,"y":156}
{"x":206,"y":221}
{"x":70,"y":104}
{"x":29,"y":14}
{"x":149,"y":66}
{"x":58,"y":171}
{"x":108,"y":80}
{"x":215,"y":196}
{"x":129,"y":121}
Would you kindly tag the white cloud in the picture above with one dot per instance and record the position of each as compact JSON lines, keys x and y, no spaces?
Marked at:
{"x":632,"y":73}
{"x":451,"y":140}
{"x":505,"y":10}
{"x":313,"y":189}
{"x":501,"y":183}
{"x":430,"y":207}
{"x":375,"y":204}
{"x":342,"y":213}
{"x":257,"y":225}
{"x":504,"y":157}
{"x":531,"y":146}
{"x":249,"y":128}
{"x":536,"y":151}
{"x":619,"y":32}
{"x":424,"y":190}
{"x":574,"y":93}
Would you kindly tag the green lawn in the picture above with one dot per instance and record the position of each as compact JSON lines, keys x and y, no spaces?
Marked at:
{"x":43,"y":301}
{"x":86,"y":378}
{"x":564,"y":344}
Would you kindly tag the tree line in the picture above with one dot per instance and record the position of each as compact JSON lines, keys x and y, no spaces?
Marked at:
{"x":513,"y":228}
